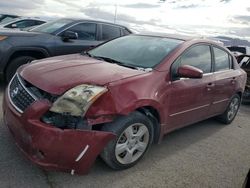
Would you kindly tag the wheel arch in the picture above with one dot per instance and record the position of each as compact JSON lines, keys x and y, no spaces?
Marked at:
{"x":240,"y":93}
{"x":155,"y":118}
{"x":150,"y":109}
{"x":37,"y":53}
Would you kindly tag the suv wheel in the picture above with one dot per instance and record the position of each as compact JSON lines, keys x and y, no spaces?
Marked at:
{"x":14,"y":64}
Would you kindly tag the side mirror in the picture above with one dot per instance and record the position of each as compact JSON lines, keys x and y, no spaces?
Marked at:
{"x":69,"y":35}
{"x":13,"y":26}
{"x":187,"y":71}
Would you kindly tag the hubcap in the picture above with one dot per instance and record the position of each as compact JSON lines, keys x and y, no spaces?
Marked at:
{"x":233,"y":108}
{"x":132,"y":143}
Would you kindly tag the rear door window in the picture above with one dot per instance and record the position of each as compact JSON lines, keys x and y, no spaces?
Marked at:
{"x":110,"y":32}
{"x":222,"y":60}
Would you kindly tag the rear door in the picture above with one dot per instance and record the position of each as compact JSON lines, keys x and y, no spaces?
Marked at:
{"x":225,"y":80}
{"x":190,"y":99}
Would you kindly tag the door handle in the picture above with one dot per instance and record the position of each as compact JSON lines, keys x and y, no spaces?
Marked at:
{"x":233,"y":80}
{"x":210,"y":86}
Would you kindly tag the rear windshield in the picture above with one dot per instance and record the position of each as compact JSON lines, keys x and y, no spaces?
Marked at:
{"x":137,"y":50}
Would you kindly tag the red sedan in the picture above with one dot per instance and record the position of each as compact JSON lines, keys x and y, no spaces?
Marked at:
{"x":119,"y":98}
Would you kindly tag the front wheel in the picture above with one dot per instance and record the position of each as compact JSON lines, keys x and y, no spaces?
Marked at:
{"x":14,"y":64}
{"x":228,"y":116}
{"x":134,"y":136}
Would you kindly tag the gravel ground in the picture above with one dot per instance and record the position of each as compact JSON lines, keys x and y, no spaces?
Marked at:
{"x":206,"y":154}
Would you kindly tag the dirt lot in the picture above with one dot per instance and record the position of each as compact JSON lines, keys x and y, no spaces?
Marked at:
{"x":206,"y":154}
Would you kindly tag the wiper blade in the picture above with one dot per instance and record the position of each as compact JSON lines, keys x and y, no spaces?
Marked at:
{"x":110,"y":60}
{"x":86,"y":53}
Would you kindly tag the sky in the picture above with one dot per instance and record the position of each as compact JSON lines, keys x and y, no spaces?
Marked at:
{"x":189,"y":17}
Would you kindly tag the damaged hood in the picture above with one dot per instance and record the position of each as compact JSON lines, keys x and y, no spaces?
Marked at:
{"x":59,"y":74}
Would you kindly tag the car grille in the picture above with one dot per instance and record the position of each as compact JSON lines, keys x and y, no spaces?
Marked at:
{"x":19,"y":95}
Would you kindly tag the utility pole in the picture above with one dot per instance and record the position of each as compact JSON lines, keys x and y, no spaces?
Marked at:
{"x":115,"y":13}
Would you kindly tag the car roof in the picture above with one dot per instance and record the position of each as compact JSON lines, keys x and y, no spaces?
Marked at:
{"x":27,"y":18}
{"x":184,"y":38}
{"x":74,"y":20}
{"x":12,"y":15}
{"x":166,"y":35}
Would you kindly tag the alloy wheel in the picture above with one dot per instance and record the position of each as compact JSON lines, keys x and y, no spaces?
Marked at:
{"x":233,"y":108}
{"x":132,"y":143}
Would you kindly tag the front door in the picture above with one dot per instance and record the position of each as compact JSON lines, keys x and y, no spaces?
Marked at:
{"x":190,"y":99}
{"x":87,"y":38}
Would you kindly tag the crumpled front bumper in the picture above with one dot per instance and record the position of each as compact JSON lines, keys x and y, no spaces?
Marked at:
{"x":51,"y":148}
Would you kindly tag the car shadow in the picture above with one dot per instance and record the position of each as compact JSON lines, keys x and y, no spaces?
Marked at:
{"x":176,"y":141}
{"x":171,"y":144}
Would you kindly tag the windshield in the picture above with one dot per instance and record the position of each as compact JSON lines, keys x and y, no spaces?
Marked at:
{"x":52,"y":27}
{"x":135,"y":50}
{"x":5,"y":20}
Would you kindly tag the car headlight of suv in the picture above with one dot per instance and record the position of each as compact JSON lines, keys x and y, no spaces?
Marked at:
{"x":2,"y":37}
{"x":77,"y":100}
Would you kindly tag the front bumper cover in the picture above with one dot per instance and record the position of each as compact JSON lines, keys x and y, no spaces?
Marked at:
{"x":51,"y":148}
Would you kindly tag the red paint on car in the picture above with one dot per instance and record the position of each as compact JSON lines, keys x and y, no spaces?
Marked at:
{"x":170,"y":101}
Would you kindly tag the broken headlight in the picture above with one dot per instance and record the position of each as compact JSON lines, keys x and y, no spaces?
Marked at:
{"x":76,"y":101}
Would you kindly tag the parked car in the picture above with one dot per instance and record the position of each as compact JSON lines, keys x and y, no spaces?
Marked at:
{"x":118,"y":98}
{"x":63,"y":36}
{"x":244,"y":62}
{"x":7,"y":17}
{"x":240,"y":49}
{"x":21,"y":23}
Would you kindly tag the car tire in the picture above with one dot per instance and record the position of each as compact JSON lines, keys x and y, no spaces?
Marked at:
{"x":14,"y":64}
{"x":134,"y":137}
{"x":228,"y":116}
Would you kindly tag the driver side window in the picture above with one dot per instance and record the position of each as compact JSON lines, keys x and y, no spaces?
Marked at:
{"x":198,"y":56}
{"x":85,"y":31}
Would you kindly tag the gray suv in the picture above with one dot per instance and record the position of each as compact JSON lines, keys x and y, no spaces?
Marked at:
{"x":63,"y":36}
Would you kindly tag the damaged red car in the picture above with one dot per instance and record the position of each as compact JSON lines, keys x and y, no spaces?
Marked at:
{"x":119,"y":98}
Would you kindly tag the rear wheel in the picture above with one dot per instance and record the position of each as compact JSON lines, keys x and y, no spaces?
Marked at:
{"x":228,"y":116}
{"x":14,"y":64}
{"x":134,"y":136}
